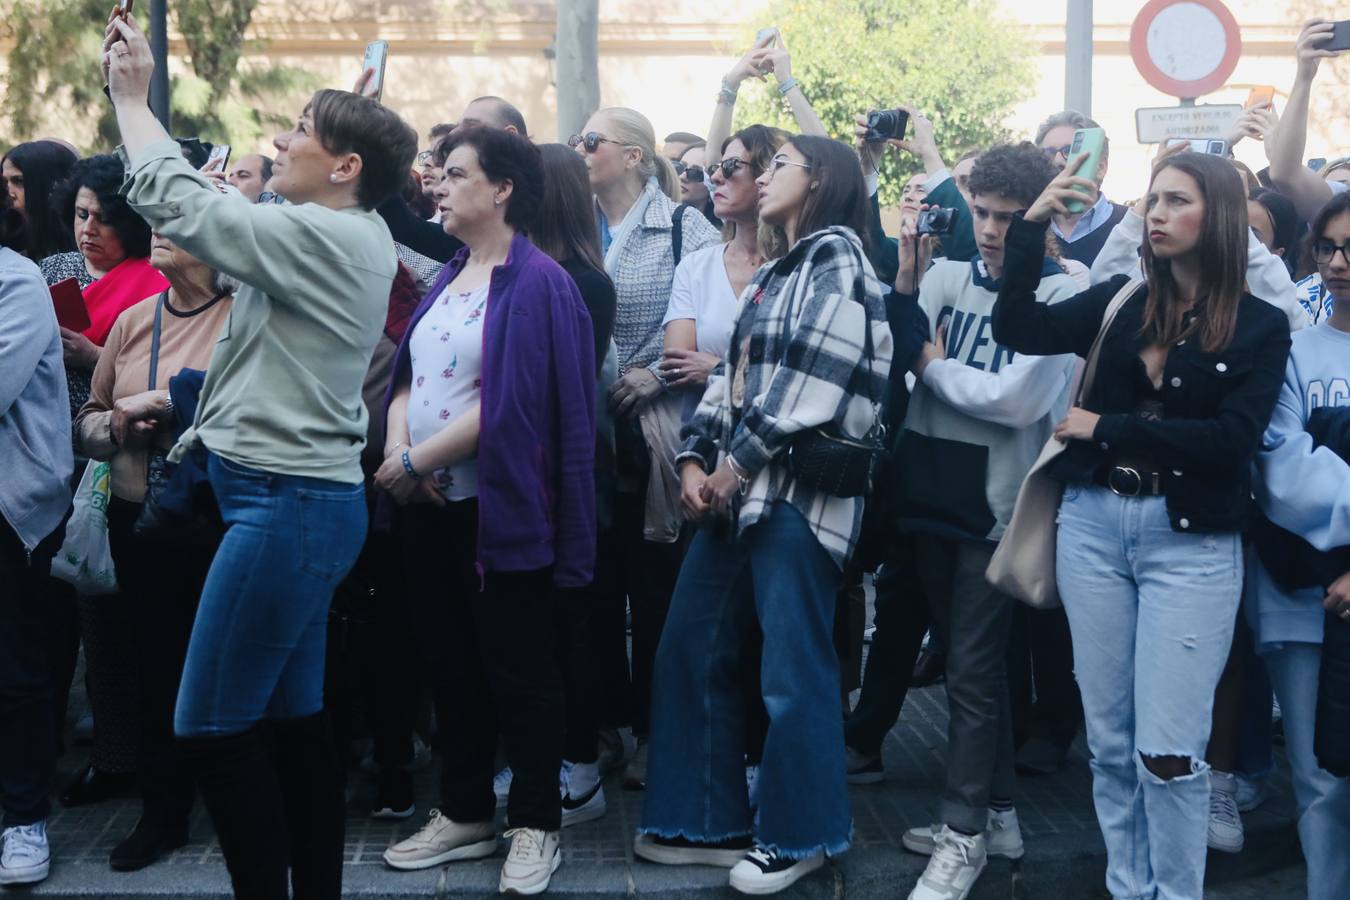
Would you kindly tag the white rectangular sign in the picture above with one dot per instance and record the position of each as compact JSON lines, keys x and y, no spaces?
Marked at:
{"x":1156,"y":124}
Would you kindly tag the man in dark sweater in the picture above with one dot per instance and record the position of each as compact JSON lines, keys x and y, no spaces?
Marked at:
{"x":1080,"y":236}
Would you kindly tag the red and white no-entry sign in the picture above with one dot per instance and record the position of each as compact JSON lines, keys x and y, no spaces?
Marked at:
{"x":1186,"y":48}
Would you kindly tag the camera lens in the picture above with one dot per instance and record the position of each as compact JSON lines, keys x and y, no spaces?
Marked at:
{"x":882,"y":122}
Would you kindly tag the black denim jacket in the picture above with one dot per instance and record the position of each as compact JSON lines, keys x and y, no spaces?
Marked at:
{"x":1215,"y":405}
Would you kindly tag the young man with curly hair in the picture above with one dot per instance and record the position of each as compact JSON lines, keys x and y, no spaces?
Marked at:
{"x":977,"y":418}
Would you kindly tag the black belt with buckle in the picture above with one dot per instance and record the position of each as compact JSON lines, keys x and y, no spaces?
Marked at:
{"x":1125,"y":481}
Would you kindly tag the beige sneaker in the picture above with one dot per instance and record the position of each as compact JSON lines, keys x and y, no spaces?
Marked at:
{"x":535,"y":855}
{"x":442,"y":841}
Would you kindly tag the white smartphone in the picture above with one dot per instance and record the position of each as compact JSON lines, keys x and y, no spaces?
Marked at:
{"x":766,"y":34}
{"x":219,"y":158}
{"x":377,"y":54}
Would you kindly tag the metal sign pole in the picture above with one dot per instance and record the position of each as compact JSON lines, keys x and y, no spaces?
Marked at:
{"x":159,"y":49}
{"x":1078,"y":57}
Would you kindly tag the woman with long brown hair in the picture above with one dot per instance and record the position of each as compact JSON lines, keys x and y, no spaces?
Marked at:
{"x":1157,"y":489}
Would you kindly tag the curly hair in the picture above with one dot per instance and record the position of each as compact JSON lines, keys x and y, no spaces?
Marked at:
{"x":1019,"y":172}
{"x":103,"y":176}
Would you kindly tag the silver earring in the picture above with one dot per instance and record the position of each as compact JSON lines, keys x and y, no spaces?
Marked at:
{"x":333,"y":178}
{"x":496,"y":203}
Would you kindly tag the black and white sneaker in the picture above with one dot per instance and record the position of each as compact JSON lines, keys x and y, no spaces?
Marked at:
{"x":583,"y":796}
{"x":679,"y":851}
{"x":763,"y":871}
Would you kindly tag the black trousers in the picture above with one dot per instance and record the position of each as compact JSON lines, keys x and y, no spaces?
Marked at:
{"x":160,"y":591}
{"x":1044,"y":695}
{"x":27,"y":734}
{"x":492,"y":642}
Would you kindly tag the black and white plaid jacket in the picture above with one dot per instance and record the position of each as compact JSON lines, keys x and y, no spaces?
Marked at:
{"x":819,"y":376}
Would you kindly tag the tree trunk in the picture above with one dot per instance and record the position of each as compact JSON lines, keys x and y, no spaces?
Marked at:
{"x":578,"y":70}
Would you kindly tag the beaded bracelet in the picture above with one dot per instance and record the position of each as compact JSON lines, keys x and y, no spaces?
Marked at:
{"x":408,"y":466}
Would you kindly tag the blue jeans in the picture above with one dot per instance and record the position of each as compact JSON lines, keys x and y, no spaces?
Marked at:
{"x":1322,"y":799}
{"x":257,"y":647}
{"x":1151,"y":611}
{"x":696,"y":759}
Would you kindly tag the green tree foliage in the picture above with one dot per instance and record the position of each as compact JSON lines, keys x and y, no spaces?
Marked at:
{"x":53,"y":76}
{"x":957,"y":61}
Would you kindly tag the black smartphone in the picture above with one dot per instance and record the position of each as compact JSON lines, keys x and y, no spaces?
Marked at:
{"x":1340,"y":36}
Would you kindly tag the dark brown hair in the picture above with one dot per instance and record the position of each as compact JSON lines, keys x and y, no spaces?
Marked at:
{"x":504,"y":156}
{"x":1221,"y":250}
{"x":840,"y":193}
{"x":348,"y":123}
{"x":761,"y":142}
{"x":565,"y":227}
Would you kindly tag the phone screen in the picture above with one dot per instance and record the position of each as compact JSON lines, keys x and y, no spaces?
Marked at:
{"x":219,"y":158}
{"x":377,"y":54}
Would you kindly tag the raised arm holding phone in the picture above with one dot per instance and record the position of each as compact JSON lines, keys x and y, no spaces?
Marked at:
{"x":283,"y":462}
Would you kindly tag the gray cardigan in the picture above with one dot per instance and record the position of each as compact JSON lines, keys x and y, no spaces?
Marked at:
{"x":36,"y":461}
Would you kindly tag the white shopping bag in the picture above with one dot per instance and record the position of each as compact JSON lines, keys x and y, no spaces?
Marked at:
{"x":85,"y":559}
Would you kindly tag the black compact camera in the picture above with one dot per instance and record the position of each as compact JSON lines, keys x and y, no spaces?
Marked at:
{"x":885,"y":124}
{"x":936,"y":221}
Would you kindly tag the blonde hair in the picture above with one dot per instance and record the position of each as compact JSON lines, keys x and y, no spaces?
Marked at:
{"x":632,"y":129}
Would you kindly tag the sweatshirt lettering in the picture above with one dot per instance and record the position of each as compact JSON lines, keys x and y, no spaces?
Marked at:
{"x":970,"y":340}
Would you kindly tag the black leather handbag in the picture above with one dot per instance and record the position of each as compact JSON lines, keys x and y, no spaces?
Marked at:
{"x":826,"y":459}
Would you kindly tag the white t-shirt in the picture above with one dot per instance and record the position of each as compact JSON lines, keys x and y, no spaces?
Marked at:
{"x":702,"y":291}
{"x":447,"y":367}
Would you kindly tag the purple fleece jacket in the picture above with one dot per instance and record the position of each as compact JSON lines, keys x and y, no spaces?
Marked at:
{"x":536,"y":444}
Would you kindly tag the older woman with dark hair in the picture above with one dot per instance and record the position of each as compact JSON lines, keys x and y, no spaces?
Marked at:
{"x":280,"y":426}
{"x":490,"y":452}
{"x":129,"y":420}
{"x":109,"y":262}
{"x":31,"y":172}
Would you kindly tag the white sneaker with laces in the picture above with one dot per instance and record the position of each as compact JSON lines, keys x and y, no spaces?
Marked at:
{"x":583,"y":796}
{"x":501,"y":786}
{"x":535,"y":855}
{"x":957,"y":862}
{"x":441,"y":841}
{"x":1225,"y":824}
{"x":25,"y":855}
{"x":1002,"y":835}
{"x":765,"y":872}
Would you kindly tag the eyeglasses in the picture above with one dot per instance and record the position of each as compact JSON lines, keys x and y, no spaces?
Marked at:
{"x":779,"y":161}
{"x":1325,"y":251}
{"x":688,"y":173}
{"x":591,"y":141}
{"x":1052,"y":152}
{"x":729,"y":167}
{"x":425,"y":157}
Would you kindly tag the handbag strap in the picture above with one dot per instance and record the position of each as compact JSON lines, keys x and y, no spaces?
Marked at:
{"x":1112,"y":308}
{"x":154,"y":340}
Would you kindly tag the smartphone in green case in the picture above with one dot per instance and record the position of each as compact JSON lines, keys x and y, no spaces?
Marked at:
{"x":1091,"y":141}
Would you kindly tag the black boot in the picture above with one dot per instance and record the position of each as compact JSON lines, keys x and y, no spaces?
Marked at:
{"x":239,"y":784}
{"x":313,"y":791}
{"x":148,"y":841}
{"x":166,"y":804}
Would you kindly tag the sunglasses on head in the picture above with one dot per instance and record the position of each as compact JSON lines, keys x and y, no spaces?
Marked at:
{"x":590,"y":141}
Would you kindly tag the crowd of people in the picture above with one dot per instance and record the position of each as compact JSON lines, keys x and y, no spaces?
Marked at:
{"x":512,"y":404}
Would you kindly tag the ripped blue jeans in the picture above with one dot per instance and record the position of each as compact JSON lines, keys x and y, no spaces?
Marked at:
{"x":1151,"y":611}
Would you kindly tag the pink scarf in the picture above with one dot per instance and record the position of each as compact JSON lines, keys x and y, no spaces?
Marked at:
{"x":129,"y":282}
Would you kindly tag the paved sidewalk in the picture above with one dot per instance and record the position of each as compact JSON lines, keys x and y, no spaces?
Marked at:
{"x":1064,"y":860}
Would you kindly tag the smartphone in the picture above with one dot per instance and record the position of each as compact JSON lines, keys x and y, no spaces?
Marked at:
{"x":377,"y":54}
{"x":1340,"y":36}
{"x":1212,"y":146}
{"x":69,"y":302}
{"x":1260,"y":95}
{"x":1091,"y":141}
{"x":124,"y":8}
{"x":219,"y":158}
{"x":766,"y":34}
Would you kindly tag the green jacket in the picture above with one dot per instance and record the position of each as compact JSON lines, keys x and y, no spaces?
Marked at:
{"x":958,"y":246}
{"x":283,"y":388}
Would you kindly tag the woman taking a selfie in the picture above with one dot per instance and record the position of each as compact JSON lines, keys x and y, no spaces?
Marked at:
{"x":811,"y":349}
{"x":281,"y":424}
{"x":1157,"y":490}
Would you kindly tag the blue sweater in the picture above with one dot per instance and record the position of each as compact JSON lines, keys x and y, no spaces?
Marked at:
{"x":1303,"y":489}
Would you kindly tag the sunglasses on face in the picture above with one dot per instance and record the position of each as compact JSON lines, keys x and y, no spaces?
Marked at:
{"x":729,"y":167}
{"x":590,"y":141}
{"x":688,"y":173}
{"x":1052,"y":152}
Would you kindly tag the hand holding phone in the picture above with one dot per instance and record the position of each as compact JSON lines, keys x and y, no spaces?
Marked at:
{"x":68,"y":300}
{"x":377,"y":55}
{"x":1091,"y":141}
{"x":1261,"y":95}
{"x":1340,"y":37}
{"x":219,"y":158}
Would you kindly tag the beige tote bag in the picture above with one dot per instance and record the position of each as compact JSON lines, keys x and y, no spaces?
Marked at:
{"x":1023,"y":566}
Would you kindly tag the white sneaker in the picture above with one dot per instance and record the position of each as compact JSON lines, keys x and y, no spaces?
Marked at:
{"x":958,"y":860}
{"x":583,"y":796}
{"x":1251,"y":793}
{"x":25,"y":855}
{"x":765,"y":872}
{"x":1225,"y":824}
{"x":501,"y":786}
{"x":535,"y":855}
{"x":442,"y":841}
{"x":1002,"y":836}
